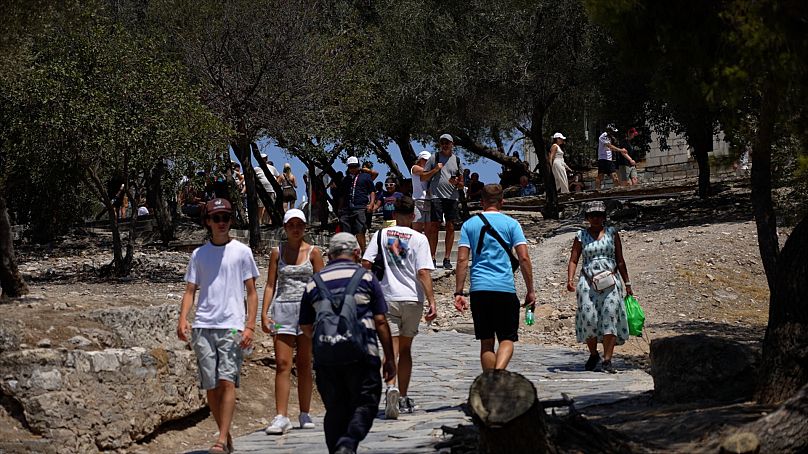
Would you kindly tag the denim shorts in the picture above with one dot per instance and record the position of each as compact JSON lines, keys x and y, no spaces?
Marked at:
{"x":218,"y":356}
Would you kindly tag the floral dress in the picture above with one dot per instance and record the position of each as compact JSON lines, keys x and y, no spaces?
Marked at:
{"x":599,"y":313}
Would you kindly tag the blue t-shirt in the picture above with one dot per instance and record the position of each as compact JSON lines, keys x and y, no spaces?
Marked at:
{"x":389,"y":204}
{"x":491,"y":270}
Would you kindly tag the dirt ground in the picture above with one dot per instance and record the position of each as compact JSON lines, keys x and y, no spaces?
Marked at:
{"x":694,"y":265}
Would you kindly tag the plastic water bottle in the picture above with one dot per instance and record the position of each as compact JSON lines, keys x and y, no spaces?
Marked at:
{"x":237,"y":339}
{"x":529,"y":317}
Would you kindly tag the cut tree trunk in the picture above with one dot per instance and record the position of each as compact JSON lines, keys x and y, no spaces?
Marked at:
{"x":785,"y":429}
{"x":784,"y":368}
{"x":11,"y":281}
{"x":505,"y":407}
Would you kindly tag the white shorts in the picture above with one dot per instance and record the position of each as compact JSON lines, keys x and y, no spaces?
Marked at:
{"x":423,"y":208}
{"x":286,"y":314}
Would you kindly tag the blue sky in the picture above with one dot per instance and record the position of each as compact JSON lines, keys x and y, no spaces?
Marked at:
{"x":487,"y":169}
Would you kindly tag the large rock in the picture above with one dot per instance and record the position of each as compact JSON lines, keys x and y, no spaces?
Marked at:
{"x":698,"y":367}
{"x":148,"y":327}
{"x":100,"y":400}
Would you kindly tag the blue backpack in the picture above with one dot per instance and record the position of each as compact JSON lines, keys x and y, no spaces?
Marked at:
{"x":340,"y":338}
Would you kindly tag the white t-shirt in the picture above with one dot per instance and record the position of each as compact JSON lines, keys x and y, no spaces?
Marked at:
{"x":604,"y":152}
{"x":419,"y":188}
{"x":405,"y":252}
{"x":219,"y":272}
{"x":263,"y":179}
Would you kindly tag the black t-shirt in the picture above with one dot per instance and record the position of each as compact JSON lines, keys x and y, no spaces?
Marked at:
{"x":621,"y":160}
{"x":356,"y":196}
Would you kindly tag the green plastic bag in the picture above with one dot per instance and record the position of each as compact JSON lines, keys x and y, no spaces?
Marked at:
{"x":635,"y":316}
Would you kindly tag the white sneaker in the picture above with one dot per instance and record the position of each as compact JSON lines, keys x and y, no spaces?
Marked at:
{"x":280,"y":425}
{"x":391,"y":403}
{"x":305,"y":421}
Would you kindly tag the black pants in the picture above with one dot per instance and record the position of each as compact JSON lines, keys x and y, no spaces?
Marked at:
{"x":351,"y":396}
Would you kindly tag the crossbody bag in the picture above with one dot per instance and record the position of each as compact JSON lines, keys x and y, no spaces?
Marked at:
{"x":490,"y":230}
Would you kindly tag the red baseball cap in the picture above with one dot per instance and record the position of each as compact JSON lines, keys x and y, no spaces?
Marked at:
{"x":218,"y":206}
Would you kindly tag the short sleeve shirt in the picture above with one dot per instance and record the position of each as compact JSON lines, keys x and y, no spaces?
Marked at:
{"x":219,"y":272}
{"x":604,"y":152}
{"x":389,"y":204}
{"x":439,"y":185}
{"x":491,"y":269}
{"x":405,"y":252}
{"x":356,"y":189}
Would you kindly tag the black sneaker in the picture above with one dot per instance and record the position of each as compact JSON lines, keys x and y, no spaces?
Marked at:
{"x":607,"y":367}
{"x":406,"y":405}
{"x":447,"y":264}
{"x":592,"y":362}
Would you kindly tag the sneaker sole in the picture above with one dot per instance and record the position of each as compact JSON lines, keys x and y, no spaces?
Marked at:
{"x":391,"y":406}
{"x":282,"y":431}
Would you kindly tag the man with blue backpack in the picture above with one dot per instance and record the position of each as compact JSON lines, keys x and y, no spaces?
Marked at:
{"x":343,"y":311}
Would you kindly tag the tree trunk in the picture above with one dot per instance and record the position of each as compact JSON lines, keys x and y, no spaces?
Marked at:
{"x":404,"y":144}
{"x":382,"y":154}
{"x":700,"y":138}
{"x":785,"y":429}
{"x":505,"y":408}
{"x":551,"y":208}
{"x":158,"y":205}
{"x":762,"y":205}
{"x":784,"y":368}
{"x":95,"y":184}
{"x":11,"y":281}
{"x":464,"y":140}
{"x":241,"y":148}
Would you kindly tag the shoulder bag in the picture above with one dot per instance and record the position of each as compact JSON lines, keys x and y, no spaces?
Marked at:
{"x":490,"y":230}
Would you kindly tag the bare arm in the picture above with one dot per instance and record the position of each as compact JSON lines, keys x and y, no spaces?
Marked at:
{"x":183,"y":327}
{"x":527,"y":275}
{"x":383,"y":330}
{"x":308,"y":330}
{"x":621,"y":263}
{"x":460,"y":301}
{"x":269,"y":290}
{"x":373,"y":173}
{"x":552,"y":154}
{"x":427,"y":175}
{"x":367,"y":264}
{"x":425,"y":278}
{"x":317,"y":259}
{"x":573,"y":264}
{"x":252,"y":310}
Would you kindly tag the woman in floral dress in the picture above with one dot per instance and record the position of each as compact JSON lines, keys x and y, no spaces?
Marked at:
{"x":601,"y":315}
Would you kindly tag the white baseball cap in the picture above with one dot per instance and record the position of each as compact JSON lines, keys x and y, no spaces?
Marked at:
{"x":294,"y":213}
{"x":558,"y":135}
{"x":424,"y":155}
{"x":263,"y":155}
{"x":352,"y":160}
{"x":446,"y":137}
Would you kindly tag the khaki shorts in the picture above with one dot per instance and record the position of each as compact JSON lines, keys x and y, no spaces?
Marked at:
{"x":627,"y":172}
{"x":404,"y":317}
{"x":218,"y":356}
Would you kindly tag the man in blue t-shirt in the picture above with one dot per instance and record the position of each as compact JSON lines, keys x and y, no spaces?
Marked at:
{"x":494,"y":304}
{"x":357,"y":197}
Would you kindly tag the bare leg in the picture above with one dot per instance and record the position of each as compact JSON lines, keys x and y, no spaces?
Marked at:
{"x":598,"y":181}
{"x":448,"y":240}
{"x":488,"y":358}
{"x":360,"y":238}
{"x":404,"y":354}
{"x":504,"y":354}
{"x":213,"y":403}
{"x":284,"y":348}
{"x":608,"y":346}
{"x":227,"y":406}
{"x":615,"y":179}
{"x":432,"y":236}
{"x":592,"y":343}
{"x":304,"y":375}
{"x":392,"y":382}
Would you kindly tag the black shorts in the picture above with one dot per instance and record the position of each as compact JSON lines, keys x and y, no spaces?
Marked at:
{"x":606,"y":166}
{"x":444,"y":208}
{"x":353,"y":220}
{"x":495,"y":313}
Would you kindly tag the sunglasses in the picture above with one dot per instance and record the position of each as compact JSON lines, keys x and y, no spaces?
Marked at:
{"x":217,"y":218}
{"x":390,"y":184}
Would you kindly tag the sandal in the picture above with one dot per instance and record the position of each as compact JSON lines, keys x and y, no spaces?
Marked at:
{"x":230,"y":443}
{"x":218,"y":448}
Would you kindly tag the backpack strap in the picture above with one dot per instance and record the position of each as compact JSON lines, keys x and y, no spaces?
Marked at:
{"x":359,"y":274}
{"x":325,"y":294}
{"x":379,"y":242}
{"x":491,"y":231}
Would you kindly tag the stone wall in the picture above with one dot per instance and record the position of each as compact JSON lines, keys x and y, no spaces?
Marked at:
{"x":676,"y":162}
{"x":88,"y":401}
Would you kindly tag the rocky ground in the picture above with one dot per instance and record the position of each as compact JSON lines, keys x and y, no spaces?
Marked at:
{"x":694,"y":264}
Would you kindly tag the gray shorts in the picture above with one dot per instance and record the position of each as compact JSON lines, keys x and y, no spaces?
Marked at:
{"x":218,"y":356}
{"x":628,"y":172}
{"x":286,"y":314}
{"x":404,"y":317}
{"x":423,"y":208}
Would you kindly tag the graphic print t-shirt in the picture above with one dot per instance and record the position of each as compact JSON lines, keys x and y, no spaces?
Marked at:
{"x":405,"y":252}
{"x":389,"y":204}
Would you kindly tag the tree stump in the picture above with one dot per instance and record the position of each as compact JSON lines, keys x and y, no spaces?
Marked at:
{"x":505,"y":408}
{"x":741,"y":443}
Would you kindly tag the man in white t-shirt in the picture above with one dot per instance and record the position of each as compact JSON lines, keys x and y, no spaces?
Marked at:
{"x":220,"y":269}
{"x":606,"y":164}
{"x":406,"y":283}
{"x":259,"y":173}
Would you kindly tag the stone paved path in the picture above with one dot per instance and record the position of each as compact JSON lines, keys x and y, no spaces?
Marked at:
{"x":445,"y":364}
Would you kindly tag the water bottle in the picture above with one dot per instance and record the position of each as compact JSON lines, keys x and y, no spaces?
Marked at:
{"x":529,"y":317}
{"x":273,"y":328}
{"x":237,"y":339}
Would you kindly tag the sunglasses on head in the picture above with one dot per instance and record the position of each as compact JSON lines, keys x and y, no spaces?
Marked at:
{"x":217,"y":218}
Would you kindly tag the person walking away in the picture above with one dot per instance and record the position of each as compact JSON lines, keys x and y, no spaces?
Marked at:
{"x":406,"y":283}
{"x":626,"y":166}
{"x":288,"y":184}
{"x":494,"y":303}
{"x":601,"y":315}
{"x":350,"y":389}
{"x":221,"y":270}
{"x":263,"y":217}
{"x":560,"y":168}
{"x":605,"y":158}
{"x":386,"y":201}
{"x":291,"y":265}
{"x":357,"y":197}
{"x":445,"y":186}
{"x":420,"y":190}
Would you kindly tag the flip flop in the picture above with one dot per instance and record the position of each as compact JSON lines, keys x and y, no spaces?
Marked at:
{"x":218,"y":448}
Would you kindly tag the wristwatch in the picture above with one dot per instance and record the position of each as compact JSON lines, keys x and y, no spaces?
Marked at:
{"x":461,"y":294}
